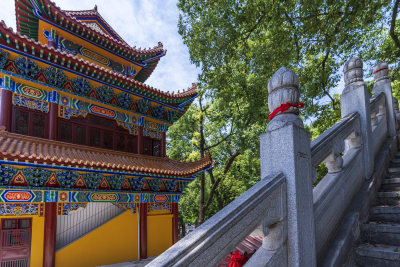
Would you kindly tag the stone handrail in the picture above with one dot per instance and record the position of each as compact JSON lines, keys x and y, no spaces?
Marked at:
{"x":298,"y":221}
{"x":212,"y":241}
{"x":329,"y":145}
{"x":378,"y":121}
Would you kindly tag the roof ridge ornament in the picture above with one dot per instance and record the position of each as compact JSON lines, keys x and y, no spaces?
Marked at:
{"x":353,"y":71}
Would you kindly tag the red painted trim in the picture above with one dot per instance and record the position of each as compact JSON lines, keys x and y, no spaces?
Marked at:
{"x":175,"y":223}
{"x":143,"y":230}
{"x":6,"y":109}
{"x":50,"y":228}
{"x":140,"y":140}
{"x":53,"y":110}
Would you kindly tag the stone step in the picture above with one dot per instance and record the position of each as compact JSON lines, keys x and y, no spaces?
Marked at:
{"x":377,"y":233}
{"x":390,"y":183}
{"x":388,"y":198}
{"x":393,"y":174}
{"x":377,"y":255}
{"x":385,"y":214}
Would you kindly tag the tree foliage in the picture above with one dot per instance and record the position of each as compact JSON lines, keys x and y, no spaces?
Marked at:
{"x":239,"y":45}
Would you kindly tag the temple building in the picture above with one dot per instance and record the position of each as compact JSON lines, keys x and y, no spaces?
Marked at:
{"x":85,"y":180}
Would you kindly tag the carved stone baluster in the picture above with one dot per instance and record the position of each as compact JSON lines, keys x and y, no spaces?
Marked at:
{"x":352,"y":141}
{"x":374,"y":119}
{"x":334,"y":162}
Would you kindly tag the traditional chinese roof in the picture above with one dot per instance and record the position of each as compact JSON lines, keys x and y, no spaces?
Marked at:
{"x":31,"y":48}
{"x":95,"y":21}
{"x":37,"y":150}
{"x":28,"y":13}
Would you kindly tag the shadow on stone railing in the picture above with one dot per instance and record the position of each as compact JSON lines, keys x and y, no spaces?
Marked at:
{"x":299,"y":221}
{"x":209,"y":244}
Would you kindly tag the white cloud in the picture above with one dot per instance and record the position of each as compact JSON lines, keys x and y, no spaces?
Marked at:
{"x":141,"y":23}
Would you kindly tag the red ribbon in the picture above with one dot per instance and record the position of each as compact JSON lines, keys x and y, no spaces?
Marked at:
{"x":375,"y":72}
{"x":283,"y":108}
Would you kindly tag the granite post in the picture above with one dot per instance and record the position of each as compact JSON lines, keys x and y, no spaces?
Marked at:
{"x":383,"y":84}
{"x":285,"y":148}
{"x":355,"y":98}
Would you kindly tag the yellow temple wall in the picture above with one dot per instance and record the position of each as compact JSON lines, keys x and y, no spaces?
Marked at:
{"x":159,"y":234}
{"x":116,"y":241}
{"x":75,"y":39}
{"x":37,"y":240}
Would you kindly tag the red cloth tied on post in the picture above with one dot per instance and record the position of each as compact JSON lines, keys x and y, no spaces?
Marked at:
{"x":283,"y":108}
{"x":237,"y":259}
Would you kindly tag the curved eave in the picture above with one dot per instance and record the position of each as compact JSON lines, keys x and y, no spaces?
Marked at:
{"x":53,"y":57}
{"x":94,"y":14}
{"x":16,"y":147}
{"x":27,"y":24}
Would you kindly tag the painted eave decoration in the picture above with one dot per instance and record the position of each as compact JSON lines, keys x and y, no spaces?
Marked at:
{"x":28,"y":13}
{"x":61,"y":60}
{"x":21,"y":148}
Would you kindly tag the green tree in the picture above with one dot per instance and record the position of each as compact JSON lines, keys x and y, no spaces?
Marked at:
{"x":239,"y":45}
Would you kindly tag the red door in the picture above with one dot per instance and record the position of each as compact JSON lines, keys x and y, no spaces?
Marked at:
{"x":15,"y":242}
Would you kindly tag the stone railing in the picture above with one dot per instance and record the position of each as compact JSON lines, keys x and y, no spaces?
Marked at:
{"x":299,"y":221}
{"x":217,"y":237}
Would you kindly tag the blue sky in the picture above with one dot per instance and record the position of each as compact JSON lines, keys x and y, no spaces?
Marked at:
{"x":141,"y":23}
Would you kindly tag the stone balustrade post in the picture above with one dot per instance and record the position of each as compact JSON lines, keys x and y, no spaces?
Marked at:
{"x":383,"y":84}
{"x":285,"y":148}
{"x":355,"y":98}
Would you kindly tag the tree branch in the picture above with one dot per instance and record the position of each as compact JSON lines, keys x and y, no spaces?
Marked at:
{"x":394,"y":37}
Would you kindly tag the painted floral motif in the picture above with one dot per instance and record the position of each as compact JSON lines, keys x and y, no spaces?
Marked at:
{"x":124,"y":100}
{"x":136,"y":183}
{"x":30,"y":103}
{"x":81,"y":86}
{"x":105,"y":93}
{"x":152,"y":134}
{"x":170,"y":185}
{"x":143,"y":105}
{"x":171,"y":115}
{"x":92,"y":180}
{"x":27,"y":67}
{"x":3,"y":58}
{"x":36,"y":177}
{"x":159,"y":207}
{"x":115,"y":181}
{"x":19,"y":209}
{"x":153,"y":184}
{"x":67,"y":179}
{"x":68,"y":207}
{"x":6,"y":174}
{"x":158,"y":111}
{"x":55,"y":77}
{"x":128,"y":206}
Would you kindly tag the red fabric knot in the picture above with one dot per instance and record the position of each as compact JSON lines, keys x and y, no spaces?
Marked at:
{"x":380,"y":70}
{"x":237,"y":259}
{"x":283,"y":108}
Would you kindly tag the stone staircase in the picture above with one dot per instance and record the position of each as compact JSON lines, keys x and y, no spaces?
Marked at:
{"x":381,"y":235}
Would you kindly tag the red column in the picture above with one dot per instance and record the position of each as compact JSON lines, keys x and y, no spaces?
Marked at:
{"x":53,"y":112}
{"x":140,"y":140}
{"x":175,"y":223}
{"x":6,"y":109}
{"x":50,"y":226}
{"x":143,"y":230}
